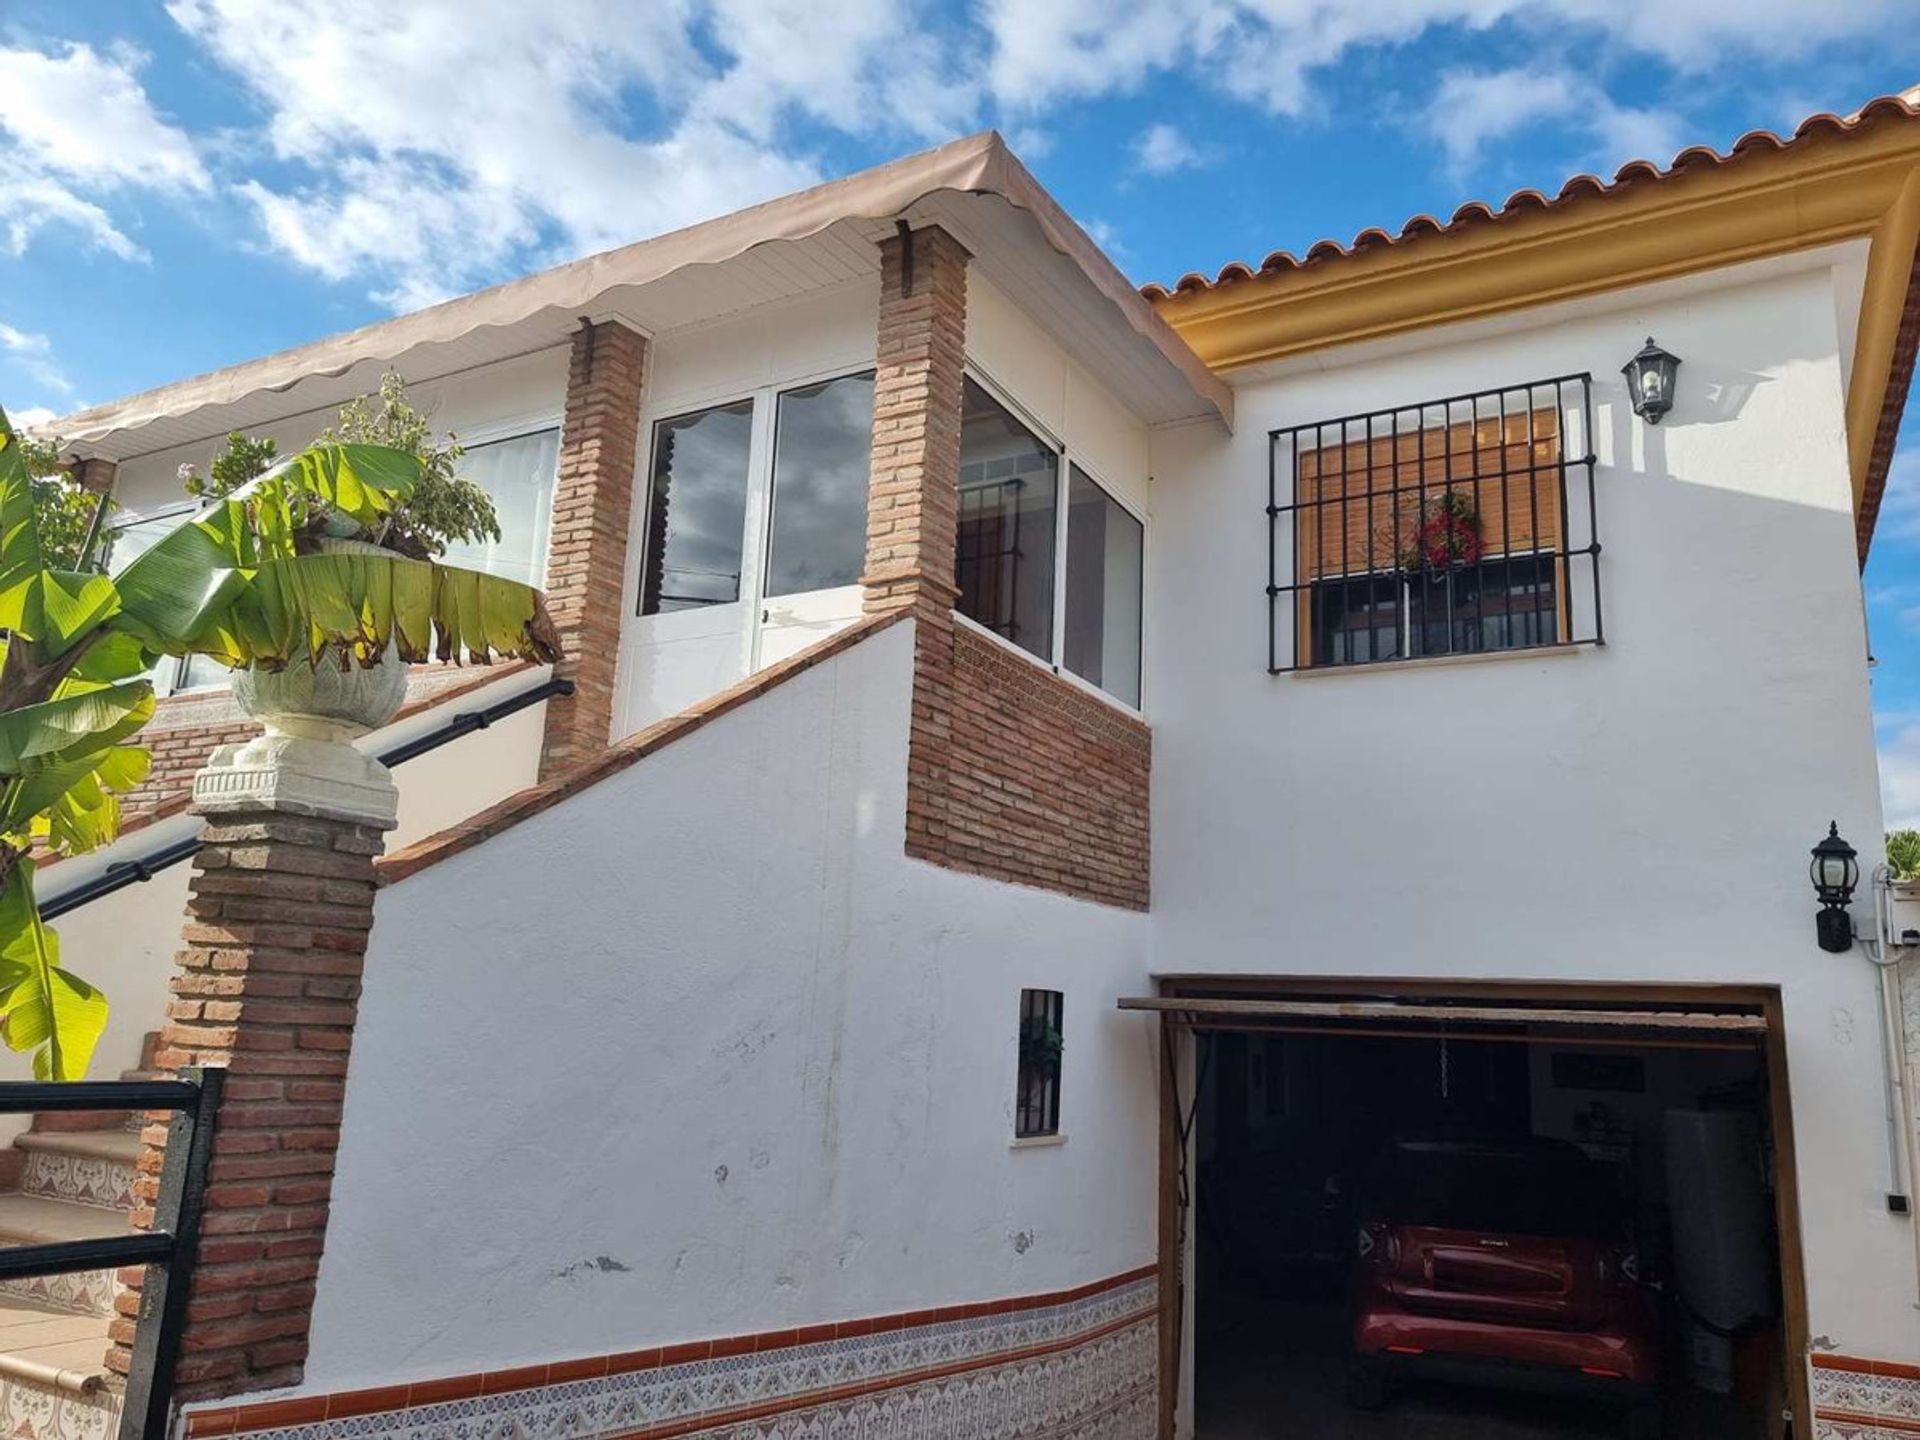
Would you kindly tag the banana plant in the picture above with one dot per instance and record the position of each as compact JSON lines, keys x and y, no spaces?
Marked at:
{"x":249,"y":581}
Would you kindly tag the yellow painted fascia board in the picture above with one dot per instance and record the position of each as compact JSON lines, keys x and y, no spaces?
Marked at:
{"x":1891,"y":267}
{"x":1823,"y":190}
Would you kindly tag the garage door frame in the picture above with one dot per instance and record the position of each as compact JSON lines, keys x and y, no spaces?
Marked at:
{"x":1763,"y":1000}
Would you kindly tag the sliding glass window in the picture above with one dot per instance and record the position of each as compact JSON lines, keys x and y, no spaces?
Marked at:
{"x":1013,"y":575}
{"x":1106,"y":552}
{"x":1009,"y":486}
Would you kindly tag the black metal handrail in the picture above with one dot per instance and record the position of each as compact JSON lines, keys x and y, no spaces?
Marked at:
{"x":122,"y":873}
{"x":166,"y":1248}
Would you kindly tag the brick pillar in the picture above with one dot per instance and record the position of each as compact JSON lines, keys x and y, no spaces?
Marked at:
{"x":592,"y":511}
{"x":913,"y":491}
{"x":913,"y":494}
{"x":267,"y":984}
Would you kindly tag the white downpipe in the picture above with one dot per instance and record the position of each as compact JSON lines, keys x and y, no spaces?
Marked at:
{"x":1903,"y":1166}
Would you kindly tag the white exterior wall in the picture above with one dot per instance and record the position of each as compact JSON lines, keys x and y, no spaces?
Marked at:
{"x":708,"y":1055}
{"x":1057,"y":392}
{"x":1640,"y":812}
{"x":125,"y":942}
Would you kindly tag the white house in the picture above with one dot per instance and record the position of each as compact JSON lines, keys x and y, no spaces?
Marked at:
{"x":1058,"y":780}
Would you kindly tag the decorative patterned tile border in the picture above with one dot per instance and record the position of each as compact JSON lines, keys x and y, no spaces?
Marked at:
{"x":1074,"y":1365}
{"x":33,"y":1411}
{"x":1856,"y":1399}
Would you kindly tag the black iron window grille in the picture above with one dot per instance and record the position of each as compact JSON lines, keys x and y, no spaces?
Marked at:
{"x":1458,"y":526}
{"x":1042,"y":1043}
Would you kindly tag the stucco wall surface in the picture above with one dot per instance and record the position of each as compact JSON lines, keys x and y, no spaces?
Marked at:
{"x":699,"y":1052}
{"x":125,"y":942}
{"x":1640,"y":812}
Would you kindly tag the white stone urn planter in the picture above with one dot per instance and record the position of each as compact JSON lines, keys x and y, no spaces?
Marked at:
{"x":305,"y":762}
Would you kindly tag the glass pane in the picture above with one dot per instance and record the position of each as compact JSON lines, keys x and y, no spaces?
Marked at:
{"x":127,"y":542}
{"x":699,"y":510}
{"x":1105,"y":552}
{"x":1009,"y":481}
{"x":1506,"y":603}
{"x":518,"y":475}
{"x":822,"y":445}
{"x":1356,"y":619}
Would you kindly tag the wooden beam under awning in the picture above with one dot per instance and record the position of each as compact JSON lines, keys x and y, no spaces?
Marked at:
{"x":1620,"y":1026}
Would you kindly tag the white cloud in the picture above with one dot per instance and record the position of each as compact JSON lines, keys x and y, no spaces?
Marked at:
{"x":442,"y":144}
{"x":1161,"y":149}
{"x":1267,"y":51}
{"x":422,"y":149}
{"x":33,"y":354}
{"x":77,"y":126}
{"x":1899,"y":518}
{"x":1472,"y":109}
{"x":31,"y":418}
{"x":1900,"y":775}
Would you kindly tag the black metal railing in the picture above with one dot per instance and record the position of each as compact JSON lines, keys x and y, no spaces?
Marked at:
{"x":167,"y":1249}
{"x":122,"y":873}
{"x":1382,"y":546}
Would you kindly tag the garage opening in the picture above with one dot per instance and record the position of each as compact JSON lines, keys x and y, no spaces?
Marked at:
{"x":1452,"y":1218}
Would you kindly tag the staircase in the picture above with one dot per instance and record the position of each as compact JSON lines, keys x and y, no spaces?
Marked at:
{"x":70,"y":1177}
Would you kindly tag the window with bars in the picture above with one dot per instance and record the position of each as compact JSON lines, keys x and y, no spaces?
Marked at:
{"x":1464,"y":525}
{"x":1042,"y":1043}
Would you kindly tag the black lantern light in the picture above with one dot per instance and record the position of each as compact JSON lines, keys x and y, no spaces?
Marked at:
{"x":1835,"y":871}
{"x":1650,"y":379}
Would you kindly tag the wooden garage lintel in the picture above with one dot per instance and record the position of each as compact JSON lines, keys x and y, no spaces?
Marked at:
{"x":1194,"y":1011}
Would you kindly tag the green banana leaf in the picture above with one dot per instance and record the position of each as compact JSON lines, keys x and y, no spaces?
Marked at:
{"x":43,"y":1008}
{"x":181,"y":586}
{"x":351,"y":607}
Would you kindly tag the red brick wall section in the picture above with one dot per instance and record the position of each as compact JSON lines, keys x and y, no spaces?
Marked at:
{"x":267,"y":985}
{"x":1011,"y":771}
{"x":178,"y":755}
{"x":913,"y":490}
{"x":587,"y":560}
{"x":1044,"y":784}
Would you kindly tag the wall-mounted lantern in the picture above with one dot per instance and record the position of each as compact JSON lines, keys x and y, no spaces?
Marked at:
{"x":1650,"y":380}
{"x":1835,"y":871}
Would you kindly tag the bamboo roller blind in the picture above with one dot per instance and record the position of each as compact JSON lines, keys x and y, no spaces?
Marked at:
{"x":1349,"y":532}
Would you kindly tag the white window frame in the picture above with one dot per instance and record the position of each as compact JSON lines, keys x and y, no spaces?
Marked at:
{"x":1065,"y":460}
{"x":756,"y":538}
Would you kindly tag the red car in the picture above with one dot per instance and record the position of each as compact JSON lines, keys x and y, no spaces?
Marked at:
{"x":1502,"y":1262}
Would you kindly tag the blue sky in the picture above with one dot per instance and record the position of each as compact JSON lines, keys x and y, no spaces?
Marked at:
{"x":188,"y":184}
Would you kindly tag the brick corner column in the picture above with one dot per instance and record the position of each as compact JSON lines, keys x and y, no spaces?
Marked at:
{"x":266,"y":985}
{"x":913,"y":494}
{"x":913,"y":489}
{"x":592,"y":513}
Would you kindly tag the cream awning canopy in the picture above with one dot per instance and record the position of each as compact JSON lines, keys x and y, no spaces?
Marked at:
{"x":802,"y":243}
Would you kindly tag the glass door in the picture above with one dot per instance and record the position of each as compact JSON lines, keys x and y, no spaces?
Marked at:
{"x":689,"y":637}
{"x":817,"y":530}
{"x":751,"y":540}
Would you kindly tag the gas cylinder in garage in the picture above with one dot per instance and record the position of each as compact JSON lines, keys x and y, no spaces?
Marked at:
{"x":1720,"y":1234}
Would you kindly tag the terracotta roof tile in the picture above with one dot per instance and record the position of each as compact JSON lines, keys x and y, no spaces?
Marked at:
{"x":1579,"y":188}
{"x":1479,"y":212}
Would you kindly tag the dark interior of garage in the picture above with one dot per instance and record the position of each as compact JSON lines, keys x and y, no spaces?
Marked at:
{"x":1501,"y":1235}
